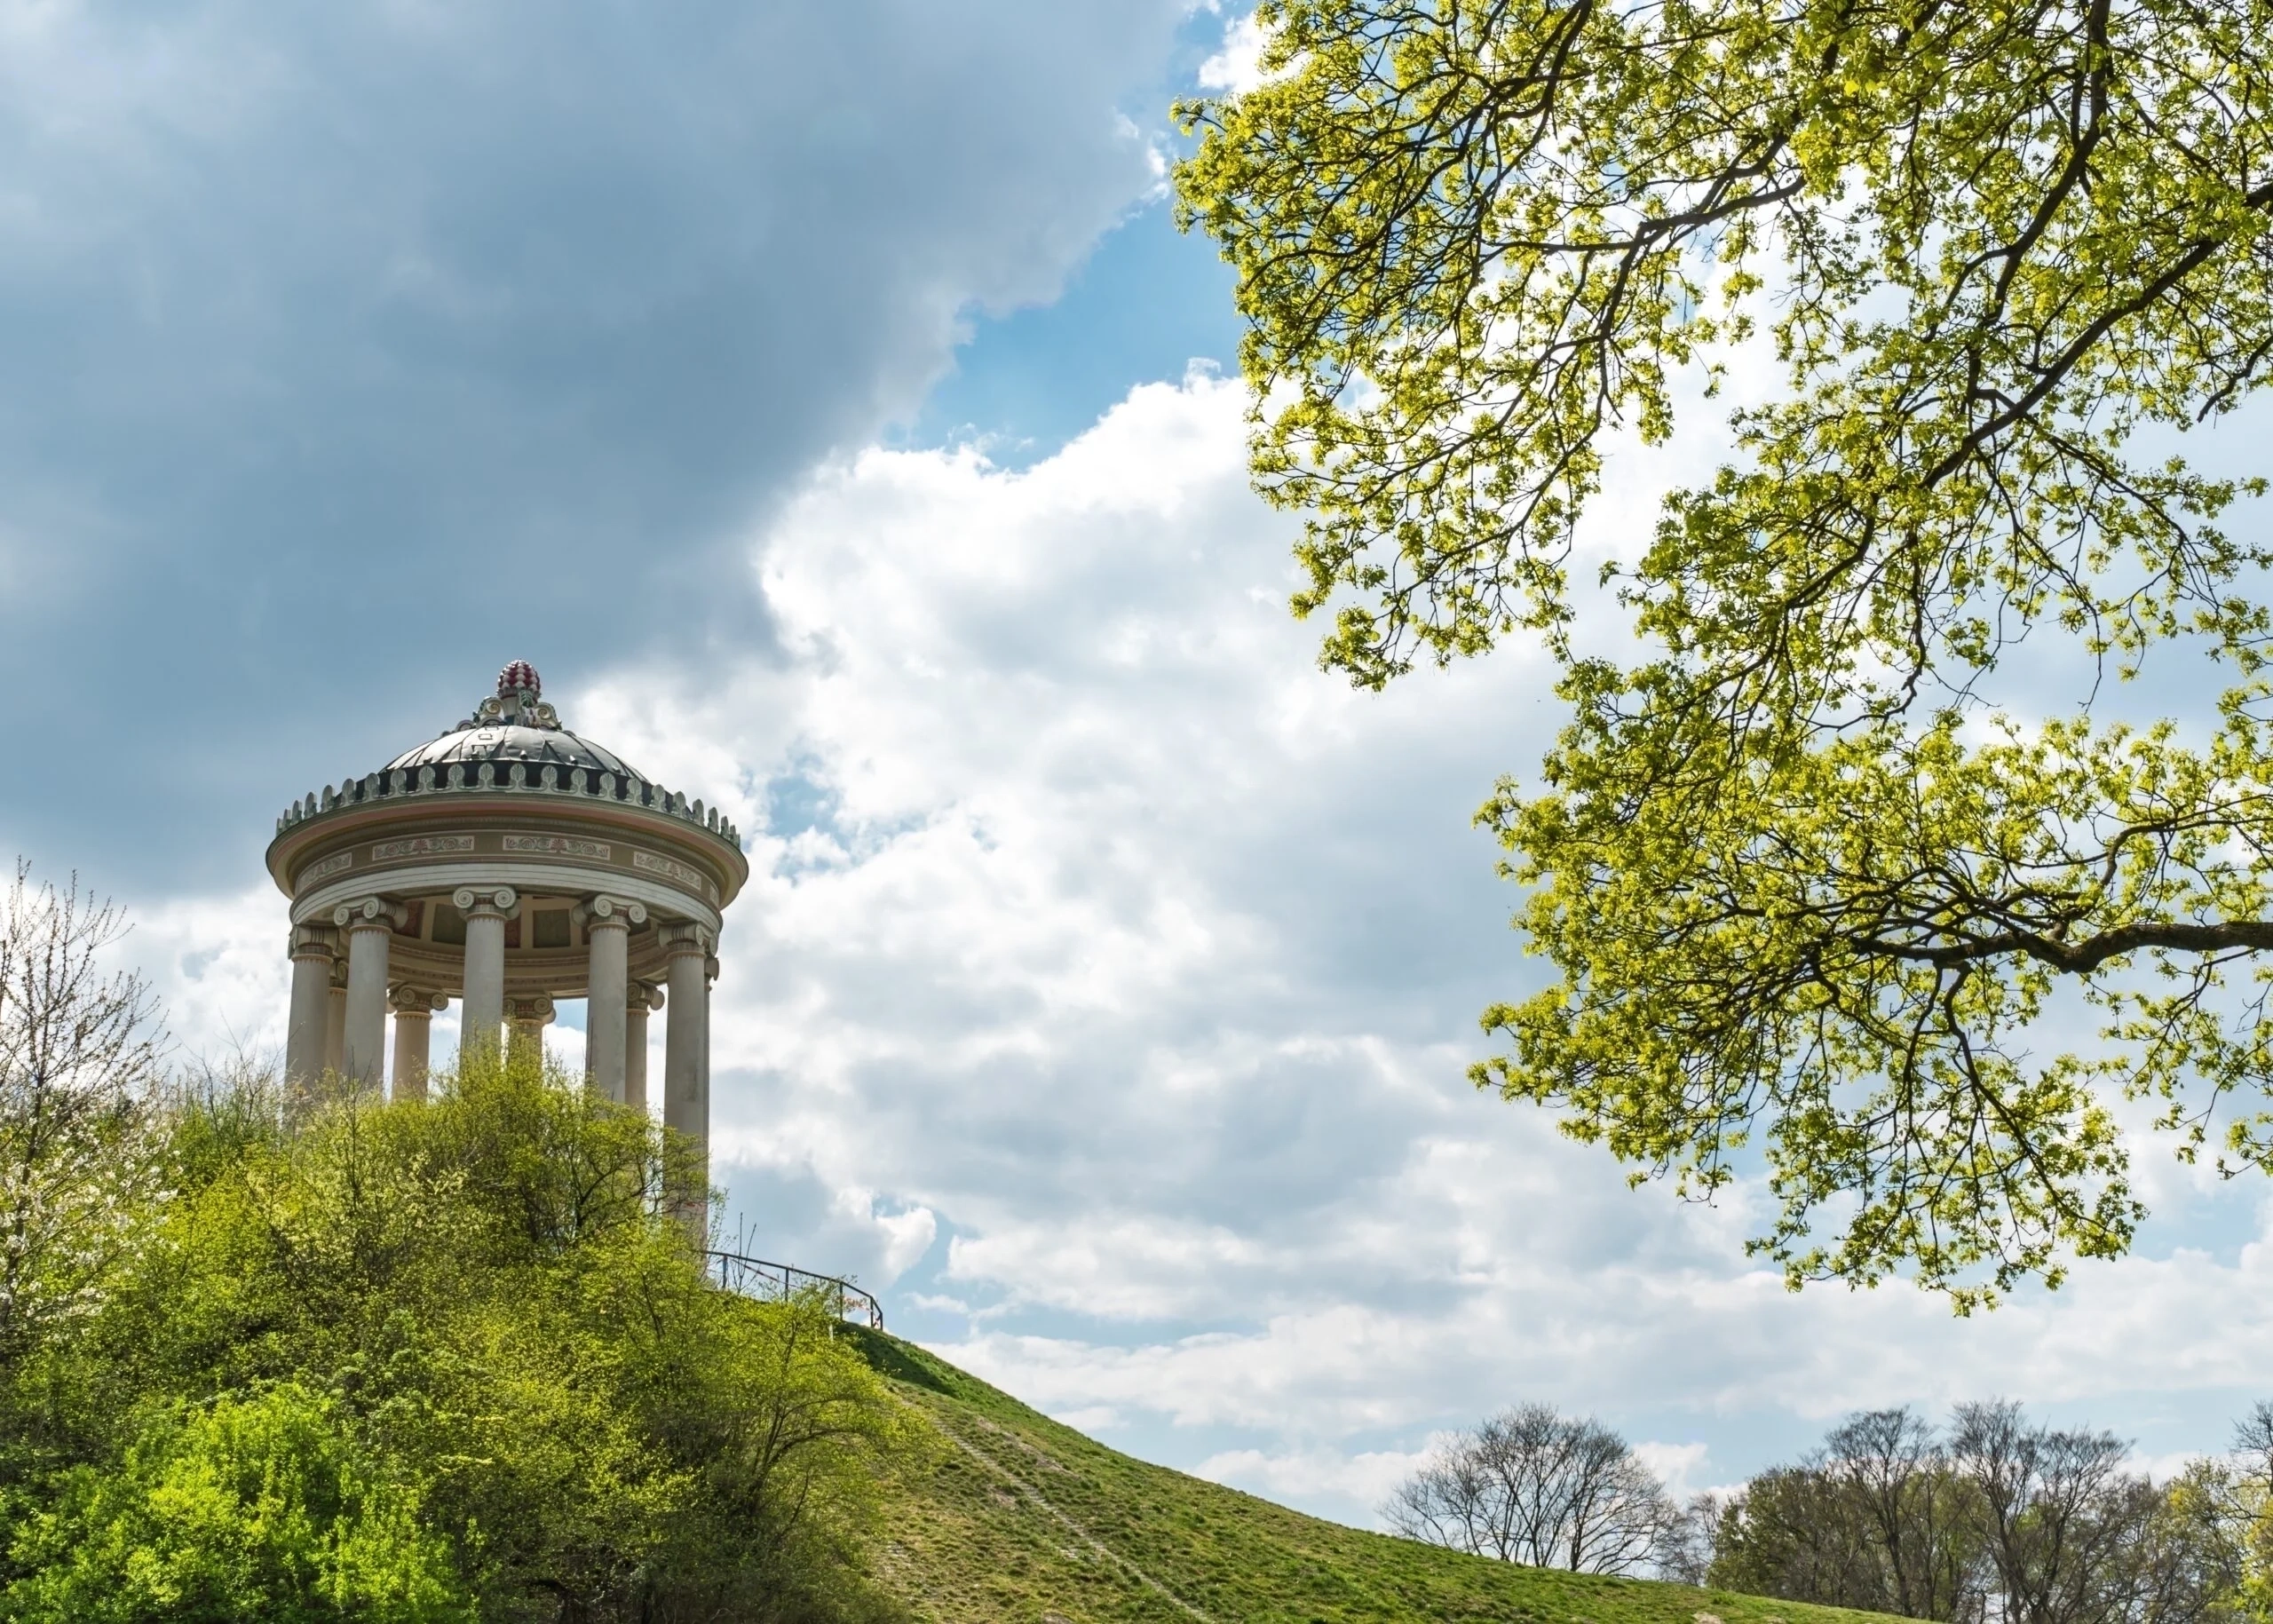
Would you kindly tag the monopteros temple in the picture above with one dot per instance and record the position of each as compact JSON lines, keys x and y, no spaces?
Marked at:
{"x":507,"y":864}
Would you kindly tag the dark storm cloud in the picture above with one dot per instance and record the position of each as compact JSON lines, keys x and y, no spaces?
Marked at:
{"x":350,"y":350}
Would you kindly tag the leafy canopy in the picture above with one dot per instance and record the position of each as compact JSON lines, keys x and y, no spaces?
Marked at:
{"x":1806,"y":888}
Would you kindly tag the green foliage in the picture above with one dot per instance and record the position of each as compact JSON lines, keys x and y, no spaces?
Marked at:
{"x":259,"y":1508}
{"x":2226,"y":1505}
{"x":1798,"y":1532}
{"x":1999,"y":1518}
{"x":1808,"y":893}
{"x":446,"y":1359}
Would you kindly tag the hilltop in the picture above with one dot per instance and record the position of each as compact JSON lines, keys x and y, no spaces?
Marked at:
{"x":1026,"y":1521}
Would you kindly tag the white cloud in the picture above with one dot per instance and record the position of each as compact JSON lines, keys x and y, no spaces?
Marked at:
{"x":1681,"y":1467}
{"x":1237,"y":67}
{"x":221,"y":966}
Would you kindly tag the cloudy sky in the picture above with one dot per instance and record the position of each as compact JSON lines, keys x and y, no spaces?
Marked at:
{"x":822,"y":398}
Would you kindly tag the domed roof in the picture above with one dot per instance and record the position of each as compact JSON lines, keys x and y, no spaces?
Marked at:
{"x":516,"y":725}
{"x":514,"y":741}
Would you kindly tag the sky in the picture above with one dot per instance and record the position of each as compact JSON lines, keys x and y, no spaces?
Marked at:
{"x":822,"y":398}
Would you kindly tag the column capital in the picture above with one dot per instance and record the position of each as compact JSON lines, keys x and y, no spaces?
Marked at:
{"x":500,"y":899}
{"x":644,"y":997}
{"x":537,"y":1011}
{"x":417,"y":1002}
{"x":687,"y":939}
{"x":607,"y":913}
{"x":315,"y":942}
{"x":370,"y":914}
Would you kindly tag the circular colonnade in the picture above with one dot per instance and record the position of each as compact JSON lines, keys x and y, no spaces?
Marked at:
{"x":507,"y":864}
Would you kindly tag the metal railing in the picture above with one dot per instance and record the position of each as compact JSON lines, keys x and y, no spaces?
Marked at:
{"x":754,"y":1277}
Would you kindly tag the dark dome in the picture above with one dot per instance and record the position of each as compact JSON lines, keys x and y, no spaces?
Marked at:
{"x":513,"y":741}
{"x":515,"y":726}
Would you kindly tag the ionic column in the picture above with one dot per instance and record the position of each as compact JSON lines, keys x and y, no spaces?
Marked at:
{"x":313,"y":951}
{"x":414,"y":1030}
{"x":334,"y":1018}
{"x":686,"y":1064}
{"x":608,"y":940}
{"x":643,"y":998}
{"x":369,"y":924}
{"x":484,"y":1006}
{"x":530,"y":1017}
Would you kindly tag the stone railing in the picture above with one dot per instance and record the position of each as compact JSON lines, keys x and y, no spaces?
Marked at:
{"x":754,"y":1277}
{"x":517,"y":777}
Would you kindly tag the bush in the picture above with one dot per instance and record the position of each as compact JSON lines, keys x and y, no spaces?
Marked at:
{"x":452,"y":1359}
{"x":256,"y":1508}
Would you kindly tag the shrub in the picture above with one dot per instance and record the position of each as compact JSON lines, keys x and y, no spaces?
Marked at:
{"x":254,"y":1507}
{"x":439,"y":1359}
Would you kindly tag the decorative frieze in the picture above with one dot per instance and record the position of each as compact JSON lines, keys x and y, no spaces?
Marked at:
{"x":561,"y":845}
{"x":338,"y":863}
{"x":682,"y":874}
{"x":422,"y":845}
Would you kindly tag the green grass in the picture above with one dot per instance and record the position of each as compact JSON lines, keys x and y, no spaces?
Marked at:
{"x":1024,"y":1521}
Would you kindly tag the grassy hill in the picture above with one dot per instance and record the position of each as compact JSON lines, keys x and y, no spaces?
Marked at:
{"x":1027,"y":1521}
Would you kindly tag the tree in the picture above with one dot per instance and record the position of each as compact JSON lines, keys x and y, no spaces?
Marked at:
{"x":1916,"y":1508}
{"x":1878,"y":1518}
{"x":1795,"y":1532}
{"x":1685,"y":1554}
{"x":80,"y":1048}
{"x":2227,"y":1505}
{"x":1807,"y":889}
{"x":2060,"y":1515}
{"x":1531,"y":1486}
{"x":1997,"y":1518}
